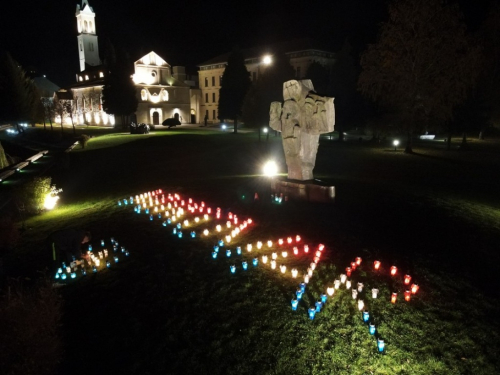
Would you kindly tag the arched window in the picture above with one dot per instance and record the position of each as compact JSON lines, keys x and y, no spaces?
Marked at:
{"x":91,"y":28}
{"x":144,"y":94}
{"x":85,"y":26}
{"x":165,"y":95}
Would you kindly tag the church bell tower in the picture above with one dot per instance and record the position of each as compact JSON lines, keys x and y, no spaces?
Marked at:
{"x":88,"y":49}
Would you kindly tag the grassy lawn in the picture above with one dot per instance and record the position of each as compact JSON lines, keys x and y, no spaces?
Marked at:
{"x":172,"y":309}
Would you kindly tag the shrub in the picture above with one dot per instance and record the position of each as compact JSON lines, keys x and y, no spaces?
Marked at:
{"x":83,"y":140}
{"x":32,"y":194}
{"x":30,"y":341}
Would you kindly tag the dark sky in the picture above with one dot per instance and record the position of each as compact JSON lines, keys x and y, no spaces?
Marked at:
{"x":43,"y":33}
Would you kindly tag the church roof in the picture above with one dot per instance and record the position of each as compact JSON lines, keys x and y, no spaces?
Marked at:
{"x":291,"y":46}
{"x":47,"y":88}
{"x":152,"y":58}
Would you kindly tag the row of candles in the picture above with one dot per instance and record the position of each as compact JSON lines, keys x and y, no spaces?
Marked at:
{"x":94,"y":261}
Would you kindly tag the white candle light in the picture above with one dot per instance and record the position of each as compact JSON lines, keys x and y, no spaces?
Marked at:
{"x":330,"y":290}
{"x":361,"y":305}
{"x":343,"y":278}
{"x":374,"y":293}
{"x":354,"y":294}
{"x":360,"y":287}
{"x":348,"y":284}
{"x":294,"y":272}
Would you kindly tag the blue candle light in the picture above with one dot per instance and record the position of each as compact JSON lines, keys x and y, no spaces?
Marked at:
{"x":63,"y":276}
{"x":193,"y":234}
{"x":221,"y":243}
{"x":179,"y":225}
{"x":244,"y":265}
{"x":255,"y":262}
{"x":323,"y":298}
{"x":318,"y":305}
{"x":311,"y":312}
{"x":179,"y":234}
{"x":73,"y":275}
{"x":299,"y":293}
{"x":59,"y":270}
{"x":102,"y":242}
{"x":228,"y":253}
{"x":108,"y":263}
{"x":127,"y":253}
{"x":151,"y":217}
{"x":169,"y":221}
{"x":147,"y":211}
{"x":302,"y":287}
{"x":131,"y":200}
{"x":216,"y":248}
{"x":90,"y":247}
{"x":116,"y":259}
{"x":233,"y":268}
{"x":295,"y":303}
{"x":174,"y":231}
{"x":238,"y":250}
{"x":125,"y":201}
{"x":214,"y":255}
{"x":57,"y":275}
{"x":84,"y":272}
{"x":119,"y":203}
{"x":112,"y":240}
{"x":164,"y":223}
{"x":159,"y":216}
{"x":372,"y":329}
{"x":366,"y":316}
{"x":380,"y":345}
{"x":94,"y":269}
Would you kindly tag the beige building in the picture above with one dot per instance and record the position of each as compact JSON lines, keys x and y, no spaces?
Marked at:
{"x":162,"y":91}
{"x":302,"y":54}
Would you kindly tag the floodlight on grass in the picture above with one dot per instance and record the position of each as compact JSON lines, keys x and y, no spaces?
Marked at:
{"x":270,"y":168}
{"x":50,"y":201}
{"x":395,"y":143}
{"x":265,"y":130}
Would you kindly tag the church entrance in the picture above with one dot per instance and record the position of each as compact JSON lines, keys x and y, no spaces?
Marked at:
{"x":193,"y":116}
{"x":156,"y":118}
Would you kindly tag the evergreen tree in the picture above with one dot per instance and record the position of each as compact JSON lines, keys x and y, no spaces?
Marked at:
{"x":119,"y":94}
{"x":234,"y":86}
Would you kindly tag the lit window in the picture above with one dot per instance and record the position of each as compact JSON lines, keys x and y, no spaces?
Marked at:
{"x":144,"y":94}
{"x":101,"y":74}
{"x":80,"y":78}
{"x":86,"y":77}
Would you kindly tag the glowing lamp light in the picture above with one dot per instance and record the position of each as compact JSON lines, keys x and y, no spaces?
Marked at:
{"x":306,"y":279}
{"x":289,"y":240}
{"x":238,"y":250}
{"x":380,"y":345}
{"x":255,"y":262}
{"x":372,"y":329}
{"x":318,"y":305}
{"x":299,"y":293}
{"x":323,"y":298}
{"x":343,"y":278}
{"x":283,"y":268}
{"x":407,"y":279}
{"x":376,"y":265}
{"x":366,"y":316}
{"x":295,"y":304}
{"x":284,"y":254}
{"x":311,"y":312}
{"x":361,"y":305}
{"x":264,"y":259}
{"x":274,"y":255}
{"x":280,"y":241}
{"x":259,"y":245}
{"x":273,"y":264}
{"x":360,"y":287}
{"x":414,"y":288}
{"x":358,"y":261}
{"x":296,"y":250}
{"x":244,"y":265}
{"x":228,"y":253}
{"x":214,"y":255}
{"x":348,"y":271}
{"x":63,"y":276}
{"x":302,"y":287}
{"x":249,"y":247}
{"x":348,"y":284}
{"x":336,"y":283}
{"x":407,"y":295}
{"x":374,"y":293}
{"x":394,"y":297}
{"x":270,"y":168}
{"x":354,"y":294}
{"x":269,"y":243}
{"x":394,"y":270}
{"x":294,"y":272}
{"x":218,"y":228}
{"x":232,"y":268}
{"x":306,"y":248}
{"x":205,"y":232}
{"x":330,"y":291}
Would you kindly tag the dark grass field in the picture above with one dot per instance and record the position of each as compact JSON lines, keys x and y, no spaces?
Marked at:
{"x":172,"y":309}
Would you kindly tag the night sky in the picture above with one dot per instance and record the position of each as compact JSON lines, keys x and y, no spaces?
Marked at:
{"x":42,"y":34}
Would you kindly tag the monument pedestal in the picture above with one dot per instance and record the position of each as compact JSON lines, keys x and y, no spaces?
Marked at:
{"x":310,"y":190}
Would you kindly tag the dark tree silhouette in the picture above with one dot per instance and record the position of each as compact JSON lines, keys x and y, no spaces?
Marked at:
{"x":422,"y":65}
{"x":234,"y":86}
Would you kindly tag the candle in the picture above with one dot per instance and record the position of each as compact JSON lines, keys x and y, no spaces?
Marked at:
{"x":273,"y":264}
{"x":294,"y":272}
{"x":244,"y":265}
{"x":321,"y":247}
{"x":105,"y":253}
{"x":221,"y":243}
{"x":284,"y":254}
{"x":330,"y":291}
{"x":205,"y":232}
{"x":312,"y":313}
{"x":306,"y":279}
{"x":358,"y":261}
{"x":283,"y":268}
{"x":238,"y":250}
{"x":366,"y":316}
{"x":295,"y":303}
{"x":394,"y":270}
{"x":302,"y":287}
{"x":343,"y":278}
{"x":228,"y":253}
{"x":214,"y":255}
{"x":414,"y":288}
{"x":374,"y":293}
{"x":372,"y":329}
{"x":348,"y":284}
{"x":228,"y":224}
{"x":269,"y":243}
{"x":218,"y":228}
{"x":232,"y":268}
{"x":309,"y":272}
{"x":323,"y":298}
{"x":102,"y":242}
{"x":259,"y":245}
{"x":274,"y":255}
{"x":63,"y":276}
{"x":348,"y":271}
{"x":299,"y":293}
{"x":296,"y":250}
{"x":312,"y":266}
{"x":380,"y":345}
{"x":306,"y":248}
{"x":280,"y":241}
{"x":376,"y":265}
{"x":73,"y":275}
{"x":394,"y":296}
{"x":255,"y":262}
{"x":353,"y":265}
{"x":289,"y":240}
{"x":360,"y":287}
{"x":361,"y":305}
{"x":297,"y":238}
{"x":354,"y":294}
{"x":249,"y":247}
{"x":407,"y":279}
{"x":318,"y":305}
{"x":193,"y":234}
{"x":336,"y":283}
{"x":179,"y":234}
{"x":264,"y":259}
{"x":108,"y":263}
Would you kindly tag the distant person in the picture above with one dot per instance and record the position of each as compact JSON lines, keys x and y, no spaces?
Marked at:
{"x":205,"y":120}
{"x":66,"y":245}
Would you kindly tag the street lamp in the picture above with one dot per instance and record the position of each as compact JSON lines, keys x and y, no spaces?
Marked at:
{"x":270,"y":168}
{"x":266,"y":60}
{"x":395,"y":143}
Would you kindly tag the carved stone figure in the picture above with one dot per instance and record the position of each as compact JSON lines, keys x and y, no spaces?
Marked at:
{"x":303,"y":117}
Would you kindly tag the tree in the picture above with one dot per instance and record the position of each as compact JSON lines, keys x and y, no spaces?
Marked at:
{"x":266,"y":89}
{"x":234,"y":86}
{"x":422,"y":65}
{"x":119,"y":94}
{"x":17,"y":92}
{"x":64,"y":106}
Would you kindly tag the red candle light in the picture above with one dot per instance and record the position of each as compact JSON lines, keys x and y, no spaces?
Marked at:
{"x":414,"y":288}
{"x":407,"y":295}
{"x":296,"y":250}
{"x":297,"y":238}
{"x":407,"y":279}
{"x":394,"y":270}
{"x":353,"y":265}
{"x":358,"y":261}
{"x":394,"y":297}
{"x":230,"y":215}
{"x":289,"y":240}
{"x":249,"y":221}
{"x":316,"y":259}
{"x":321,"y":247}
{"x":209,"y":210}
{"x":280,"y":241}
{"x":348,"y":271}
{"x":318,"y":253}
{"x":376,"y":265}
{"x":306,"y":248}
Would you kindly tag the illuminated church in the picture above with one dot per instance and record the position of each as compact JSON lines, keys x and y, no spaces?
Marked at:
{"x":162,"y":91}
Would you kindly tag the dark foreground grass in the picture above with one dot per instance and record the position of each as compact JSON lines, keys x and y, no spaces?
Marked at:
{"x":172,"y":309}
